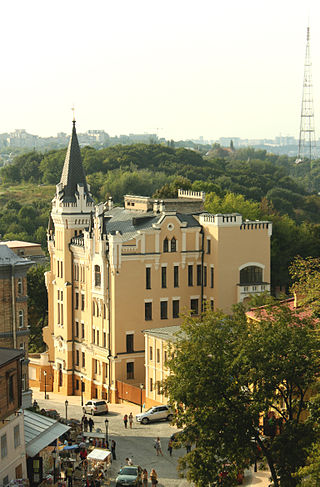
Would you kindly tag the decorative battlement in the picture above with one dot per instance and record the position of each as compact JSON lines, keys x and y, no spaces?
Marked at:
{"x":219,"y":219}
{"x":194,"y":195}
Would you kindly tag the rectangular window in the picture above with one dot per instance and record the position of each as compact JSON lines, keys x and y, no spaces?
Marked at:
{"x":129,"y":343}
{"x":176,"y":276}
{"x":16,"y":436}
{"x":104,"y":339}
{"x":77,"y":384}
{"x":82,"y":302}
{"x":212,"y":304}
{"x":194,"y":305}
{"x":98,"y":337}
{"x":77,"y":357}
{"x":130,"y":370}
{"x":175,"y":308}
{"x":205,"y":276}
{"x":158,"y":355}
{"x":190,"y":275}
{"x":4,"y":446}
{"x":95,"y":364}
{"x":93,"y":335}
{"x":61,"y":263}
{"x":164,"y":310}
{"x":151,"y":385}
{"x":165,"y":356}
{"x":148,"y":311}
{"x":208,"y":246}
{"x":76,"y":331}
{"x":199,"y":274}
{"x":82,"y":330}
{"x":148,"y":277}
{"x":150,"y":353}
{"x":83,"y":359}
{"x":76,"y":304}
{"x":158,"y":387}
{"x":163,"y":277}
{"x":212,"y":277}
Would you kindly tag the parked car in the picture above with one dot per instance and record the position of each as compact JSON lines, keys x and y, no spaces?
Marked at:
{"x":95,"y":406}
{"x":51,"y":413}
{"x":156,"y":413}
{"x":129,"y":475}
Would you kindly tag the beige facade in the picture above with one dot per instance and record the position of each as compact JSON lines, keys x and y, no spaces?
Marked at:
{"x":116,"y":271}
{"x":157,"y":343}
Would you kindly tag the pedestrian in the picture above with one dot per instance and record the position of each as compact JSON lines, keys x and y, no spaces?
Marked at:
{"x":85,"y":424}
{"x":158,"y":447}
{"x":91,"y":424}
{"x":153,"y":477}
{"x":144,"y":477}
{"x":129,"y":461}
{"x":113,"y":450}
{"x":125,"y":421}
{"x":170,"y":447}
{"x":69,"y":474}
{"x":131,"y":420}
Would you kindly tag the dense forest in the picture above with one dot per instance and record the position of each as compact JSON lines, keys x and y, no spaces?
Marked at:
{"x":252,"y":182}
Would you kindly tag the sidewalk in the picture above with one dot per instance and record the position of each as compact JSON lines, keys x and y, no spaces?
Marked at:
{"x":257,"y":479}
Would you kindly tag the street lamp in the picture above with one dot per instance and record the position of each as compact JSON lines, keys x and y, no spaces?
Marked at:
{"x":45,"y":384}
{"x":141,"y":388}
{"x":106,"y":422}
{"x":66,"y":405}
{"x":81,"y":390}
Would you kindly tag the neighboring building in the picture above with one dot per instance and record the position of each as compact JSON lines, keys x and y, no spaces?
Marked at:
{"x":12,"y":445}
{"x":29,"y":250}
{"x":14,"y":331}
{"x":117,"y":271}
{"x":157,"y":343}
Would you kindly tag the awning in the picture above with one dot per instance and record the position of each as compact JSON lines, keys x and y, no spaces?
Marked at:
{"x":40,"y":431}
{"x":99,"y":454}
{"x":94,"y":434}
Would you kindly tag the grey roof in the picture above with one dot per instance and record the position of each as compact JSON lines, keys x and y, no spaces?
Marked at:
{"x":73,"y":173}
{"x":166,"y":333}
{"x":128,"y":222}
{"x":9,"y":354}
{"x":40,"y":431}
{"x":8,"y":257}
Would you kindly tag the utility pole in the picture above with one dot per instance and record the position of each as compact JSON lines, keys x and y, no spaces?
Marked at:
{"x":307,"y":142}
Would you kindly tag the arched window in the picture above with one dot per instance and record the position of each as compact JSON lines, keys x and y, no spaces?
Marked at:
{"x":20,"y":287}
{"x":251,"y":275}
{"x":21,"y":318}
{"x":165,"y":245}
{"x":97,"y":276}
{"x":173,"y":245}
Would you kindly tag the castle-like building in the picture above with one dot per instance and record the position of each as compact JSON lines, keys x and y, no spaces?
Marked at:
{"x":116,"y":271}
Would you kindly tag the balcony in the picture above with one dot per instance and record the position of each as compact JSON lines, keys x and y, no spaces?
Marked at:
{"x":247,"y":290}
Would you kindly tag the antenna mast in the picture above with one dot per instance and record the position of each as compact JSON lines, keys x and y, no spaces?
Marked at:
{"x":307,"y":141}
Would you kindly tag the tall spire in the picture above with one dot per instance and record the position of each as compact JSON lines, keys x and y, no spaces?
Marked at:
{"x":307,"y":142}
{"x":73,"y":173}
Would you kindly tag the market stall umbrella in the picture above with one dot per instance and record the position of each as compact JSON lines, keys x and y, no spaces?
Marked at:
{"x":99,"y":455}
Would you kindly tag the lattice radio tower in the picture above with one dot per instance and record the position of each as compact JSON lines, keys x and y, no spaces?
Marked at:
{"x":307,"y":140}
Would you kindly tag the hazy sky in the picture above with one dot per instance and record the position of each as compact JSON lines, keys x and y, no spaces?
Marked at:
{"x":182,"y":68}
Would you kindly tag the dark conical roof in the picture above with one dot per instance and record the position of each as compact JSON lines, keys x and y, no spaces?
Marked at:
{"x":73,"y":173}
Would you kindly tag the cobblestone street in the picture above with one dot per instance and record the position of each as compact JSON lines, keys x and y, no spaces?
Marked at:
{"x":138,"y":442}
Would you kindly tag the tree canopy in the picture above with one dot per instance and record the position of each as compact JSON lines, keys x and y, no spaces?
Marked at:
{"x":232,"y":379}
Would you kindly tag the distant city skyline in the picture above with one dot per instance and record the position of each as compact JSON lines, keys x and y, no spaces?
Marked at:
{"x":176,"y":69}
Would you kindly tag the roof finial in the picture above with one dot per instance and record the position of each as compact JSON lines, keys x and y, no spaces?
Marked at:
{"x":73,"y":109}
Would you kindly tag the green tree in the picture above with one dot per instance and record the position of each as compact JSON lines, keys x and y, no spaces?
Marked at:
{"x":37,"y":306}
{"x":225,"y":373}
